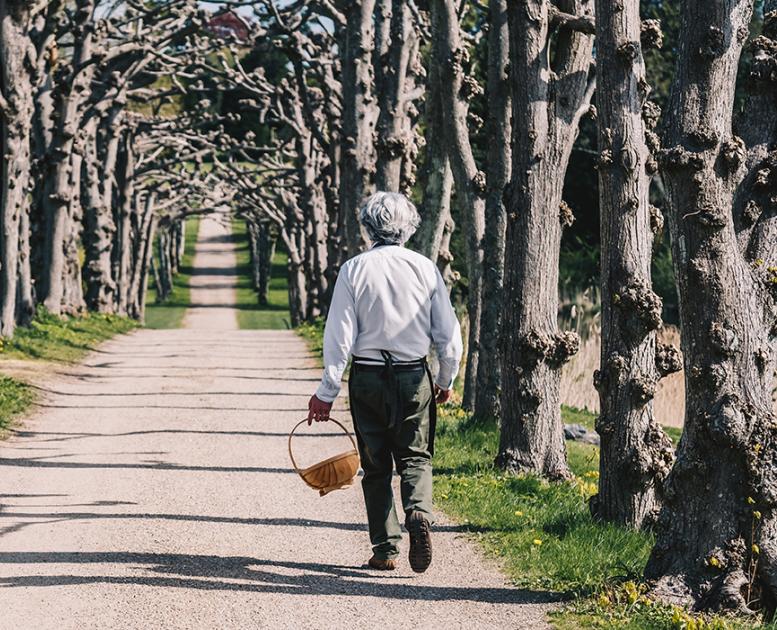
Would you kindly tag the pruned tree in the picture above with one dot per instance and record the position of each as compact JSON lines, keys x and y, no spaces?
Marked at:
{"x":398,"y":77}
{"x":498,"y":165}
{"x":550,"y":57}
{"x":16,"y":111}
{"x":636,"y":454}
{"x":716,"y":545}
{"x":456,"y":89}
{"x":356,"y":42}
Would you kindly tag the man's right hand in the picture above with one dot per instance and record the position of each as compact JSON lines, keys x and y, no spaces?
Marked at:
{"x":318,"y":410}
{"x":441,"y":395}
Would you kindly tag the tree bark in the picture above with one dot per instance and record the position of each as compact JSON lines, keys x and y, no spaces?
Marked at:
{"x":124,"y":243}
{"x":71,"y":89}
{"x":635,"y":453}
{"x":358,"y":116}
{"x":99,"y":230}
{"x":497,"y":175}
{"x":16,"y":117}
{"x":548,"y":101}
{"x":435,"y":208}
{"x":456,"y":89}
{"x":394,"y":143}
{"x":716,"y":545}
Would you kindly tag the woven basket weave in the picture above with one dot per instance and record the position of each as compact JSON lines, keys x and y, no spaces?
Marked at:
{"x":333,"y":473}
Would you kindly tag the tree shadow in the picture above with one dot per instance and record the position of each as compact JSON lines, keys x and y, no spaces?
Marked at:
{"x":209,"y":572}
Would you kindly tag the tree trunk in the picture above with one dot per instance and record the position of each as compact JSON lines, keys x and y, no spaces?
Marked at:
{"x":99,"y":231}
{"x":497,"y":176}
{"x":124,"y":244}
{"x":456,"y":89}
{"x":58,"y":256}
{"x":716,"y":545}
{"x":72,"y":285}
{"x":635,"y":453}
{"x":435,"y":208}
{"x":548,"y":101}
{"x":358,"y":117}
{"x":25,"y":297}
{"x":16,"y":119}
{"x":266,"y":251}
{"x":164,"y":269}
{"x":140,"y":257}
{"x":147,"y":263}
{"x":394,"y":133}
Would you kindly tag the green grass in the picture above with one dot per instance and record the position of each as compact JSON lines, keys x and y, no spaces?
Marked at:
{"x":51,"y":338}
{"x":251,"y":315}
{"x":66,"y":339}
{"x":170,"y":314}
{"x":15,"y":398}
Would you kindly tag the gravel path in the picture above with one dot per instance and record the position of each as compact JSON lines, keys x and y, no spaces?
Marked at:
{"x":153,"y":490}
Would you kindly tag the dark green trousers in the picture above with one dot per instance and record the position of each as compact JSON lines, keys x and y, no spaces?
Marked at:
{"x":384,"y":444}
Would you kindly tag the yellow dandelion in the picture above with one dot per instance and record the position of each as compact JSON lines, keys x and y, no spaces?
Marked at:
{"x":537,"y":542}
{"x":756,"y":549}
{"x":756,"y":515}
{"x":750,"y":501}
{"x":518,"y":513}
{"x":604,"y":600}
{"x":757,"y":448}
{"x":714,"y":562}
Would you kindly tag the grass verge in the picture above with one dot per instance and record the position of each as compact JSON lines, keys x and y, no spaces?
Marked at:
{"x":542,"y":534}
{"x":67,"y":339}
{"x":51,"y":338}
{"x":15,"y":398}
{"x":250,"y":314}
{"x":170,"y":314}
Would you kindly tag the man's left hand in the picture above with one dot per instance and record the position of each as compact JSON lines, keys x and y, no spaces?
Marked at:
{"x":441,"y":395}
{"x":318,"y":410}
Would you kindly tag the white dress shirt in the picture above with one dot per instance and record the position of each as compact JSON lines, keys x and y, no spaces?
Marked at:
{"x":394,"y":299}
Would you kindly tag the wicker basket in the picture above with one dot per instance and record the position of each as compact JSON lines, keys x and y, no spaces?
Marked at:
{"x":333,"y":473}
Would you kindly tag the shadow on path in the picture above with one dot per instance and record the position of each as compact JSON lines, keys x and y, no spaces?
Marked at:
{"x":206,"y":572}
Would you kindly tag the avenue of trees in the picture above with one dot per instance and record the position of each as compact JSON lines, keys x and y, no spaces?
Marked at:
{"x":118,"y":122}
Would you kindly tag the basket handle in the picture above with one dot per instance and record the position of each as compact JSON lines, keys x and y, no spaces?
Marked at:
{"x":300,"y":423}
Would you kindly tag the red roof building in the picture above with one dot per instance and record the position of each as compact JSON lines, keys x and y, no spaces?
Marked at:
{"x":228,"y":24}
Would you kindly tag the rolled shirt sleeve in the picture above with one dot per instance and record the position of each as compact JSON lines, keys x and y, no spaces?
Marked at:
{"x":446,"y":334}
{"x":339,"y":336}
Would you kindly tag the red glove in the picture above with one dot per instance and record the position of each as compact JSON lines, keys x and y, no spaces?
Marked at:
{"x":318,"y":410}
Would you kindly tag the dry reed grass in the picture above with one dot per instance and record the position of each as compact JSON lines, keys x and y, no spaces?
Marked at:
{"x":577,"y":389}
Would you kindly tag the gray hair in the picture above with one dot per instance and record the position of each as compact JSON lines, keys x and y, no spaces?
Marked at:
{"x":389,"y":218}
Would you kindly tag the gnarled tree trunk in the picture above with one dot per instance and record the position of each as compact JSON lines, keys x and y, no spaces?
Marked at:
{"x":450,"y":53}
{"x":716,"y":545}
{"x":16,"y":119}
{"x":635,"y":453}
{"x":548,"y":101}
{"x":497,"y":175}
{"x":59,"y":262}
{"x":358,"y":116}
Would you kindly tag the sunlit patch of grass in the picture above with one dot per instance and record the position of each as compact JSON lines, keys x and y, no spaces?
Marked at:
{"x":66,"y":339}
{"x":15,"y":398}
{"x":542,"y":532}
{"x":170,"y":314}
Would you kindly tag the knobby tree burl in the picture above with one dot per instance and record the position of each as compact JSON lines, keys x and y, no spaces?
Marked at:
{"x":716,"y":545}
{"x":550,"y":58}
{"x":635,"y":453}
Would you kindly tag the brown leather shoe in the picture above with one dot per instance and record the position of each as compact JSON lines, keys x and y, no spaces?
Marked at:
{"x":382,"y":565}
{"x":420,"y":541}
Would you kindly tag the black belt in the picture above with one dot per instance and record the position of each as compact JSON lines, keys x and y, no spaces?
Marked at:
{"x":388,"y":369}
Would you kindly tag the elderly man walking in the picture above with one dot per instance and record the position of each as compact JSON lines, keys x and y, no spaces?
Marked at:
{"x":389,"y":306}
